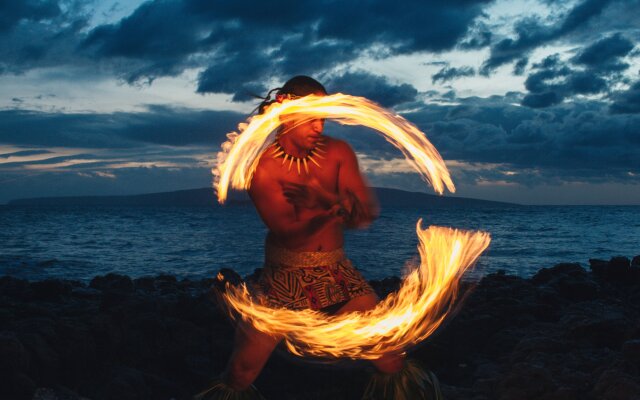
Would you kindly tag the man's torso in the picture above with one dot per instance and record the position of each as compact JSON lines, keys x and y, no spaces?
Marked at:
{"x":279,"y":171}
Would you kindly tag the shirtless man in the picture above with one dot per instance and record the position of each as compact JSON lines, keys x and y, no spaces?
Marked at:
{"x":307,"y":188}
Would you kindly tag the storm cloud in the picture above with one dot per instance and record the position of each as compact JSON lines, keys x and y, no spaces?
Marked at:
{"x":239,"y":45}
{"x":595,"y":69}
{"x":158,"y":125}
{"x":532,"y":33}
{"x":450,"y":73}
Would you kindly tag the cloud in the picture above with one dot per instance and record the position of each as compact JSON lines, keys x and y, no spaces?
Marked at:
{"x":627,"y":101}
{"x":102,"y":174}
{"x":604,"y":55}
{"x":12,"y":12}
{"x":240,"y":46}
{"x":532,"y":33}
{"x":36,"y":34}
{"x":373,"y":87}
{"x":595,"y":69}
{"x":24,"y":153}
{"x":579,"y":140}
{"x":478,"y":36}
{"x":450,"y":73}
{"x":158,"y":125}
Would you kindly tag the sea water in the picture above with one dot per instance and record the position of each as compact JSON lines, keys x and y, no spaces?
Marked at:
{"x":194,"y":242}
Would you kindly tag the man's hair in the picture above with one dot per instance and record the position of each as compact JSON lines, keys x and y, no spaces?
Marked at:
{"x":302,"y":85}
{"x":298,"y":86}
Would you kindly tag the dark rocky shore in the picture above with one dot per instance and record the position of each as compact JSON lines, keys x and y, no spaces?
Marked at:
{"x":566,"y":333}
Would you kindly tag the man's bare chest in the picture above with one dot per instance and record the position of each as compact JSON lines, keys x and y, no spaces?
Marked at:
{"x":326,"y":174}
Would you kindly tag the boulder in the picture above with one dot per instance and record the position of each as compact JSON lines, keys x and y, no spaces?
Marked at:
{"x":614,"y":384}
{"x":17,"y":386}
{"x":617,"y":269}
{"x":14,"y":287}
{"x":598,"y":267}
{"x":13,"y":355}
{"x":525,"y":381}
{"x":50,"y":289}
{"x":577,"y":289}
{"x":112,"y":283}
{"x":545,"y":275}
{"x":600,"y":332}
{"x":631,"y":351}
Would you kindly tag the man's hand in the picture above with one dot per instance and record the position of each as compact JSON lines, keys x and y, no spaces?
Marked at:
{"x":310,"y":195}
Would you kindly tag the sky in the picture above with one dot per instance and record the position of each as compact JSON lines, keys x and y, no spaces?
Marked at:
{"x":532,"y":102}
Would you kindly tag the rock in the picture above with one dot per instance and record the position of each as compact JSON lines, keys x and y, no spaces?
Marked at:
{"x":631,"y":351}
{"x":14,"y":287}
{"x":605,"y":332}
{"x":145,"y":283}
{"x":616,"y":385}
{"x":635,"y":262}
{"x":56,"y":394}
{"x":563,"y":393}
{"x":536,"y":345}
{"x":545,"y":275}
{"x":112,"y":283}
{"x":577,"y":289}
{"x":13,"y":356}
{"x":526,"y":381}
{"x":167,"y":284}
{"x":619,"y":262}
{"x":86,"y":293}
{"x":128,"y":384}
{"x":17,"y":386}
{"x":50,"y":289}
{"x":618,"y":269}
{"x":167,"y":278}
{"x":44,"y":360}
{"x":598,"y":267}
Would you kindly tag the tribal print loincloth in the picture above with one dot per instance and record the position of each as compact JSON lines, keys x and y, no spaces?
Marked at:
{"x":316,"y":280}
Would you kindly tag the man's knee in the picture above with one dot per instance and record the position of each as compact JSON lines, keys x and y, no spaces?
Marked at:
{"x":390,"y":363}
{"x":240,"y":375}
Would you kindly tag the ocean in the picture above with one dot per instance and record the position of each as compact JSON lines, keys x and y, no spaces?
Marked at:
{"x":195,"y":242}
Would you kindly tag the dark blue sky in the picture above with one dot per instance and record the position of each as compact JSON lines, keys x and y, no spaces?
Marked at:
{"x":535,"y":102}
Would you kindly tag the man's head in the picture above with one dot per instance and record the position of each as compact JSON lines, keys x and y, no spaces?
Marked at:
{"x":304,"y":135}
{"x":301,"y":85}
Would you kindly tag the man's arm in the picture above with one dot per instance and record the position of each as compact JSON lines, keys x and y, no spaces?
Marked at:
{"x":280,"y":216}
{"x":355,"y":195}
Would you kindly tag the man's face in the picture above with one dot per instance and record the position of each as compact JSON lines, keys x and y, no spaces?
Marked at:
{"x":306,"y":134}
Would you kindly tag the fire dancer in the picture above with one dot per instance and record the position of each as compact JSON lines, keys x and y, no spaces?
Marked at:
{"x":308,"y":188}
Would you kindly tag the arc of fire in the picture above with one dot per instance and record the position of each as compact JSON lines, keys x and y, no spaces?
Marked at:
{"x":238,"y":159}
{"x":428,"y":290}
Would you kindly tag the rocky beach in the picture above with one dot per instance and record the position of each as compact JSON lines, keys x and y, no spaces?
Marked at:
{"x":565,"y":333}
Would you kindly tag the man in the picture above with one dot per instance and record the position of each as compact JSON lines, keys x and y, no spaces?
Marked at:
{"x":307,"y":188}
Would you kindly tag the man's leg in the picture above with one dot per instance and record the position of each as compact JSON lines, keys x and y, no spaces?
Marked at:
{"x":397,"y":377}
{"x":389,"y":363}
{"x":251,"y":351}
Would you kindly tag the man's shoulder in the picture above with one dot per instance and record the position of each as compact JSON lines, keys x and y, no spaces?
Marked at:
{"x":338,"y":146}
{"x":267,"y":167}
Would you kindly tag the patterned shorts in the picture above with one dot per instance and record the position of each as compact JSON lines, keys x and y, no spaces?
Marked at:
{"x":316,"y":280}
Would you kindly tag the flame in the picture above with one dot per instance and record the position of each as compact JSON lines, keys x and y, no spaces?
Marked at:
{"x":428,"y":291}
{"x":240,"y":153}
{"x":399,"y":321}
